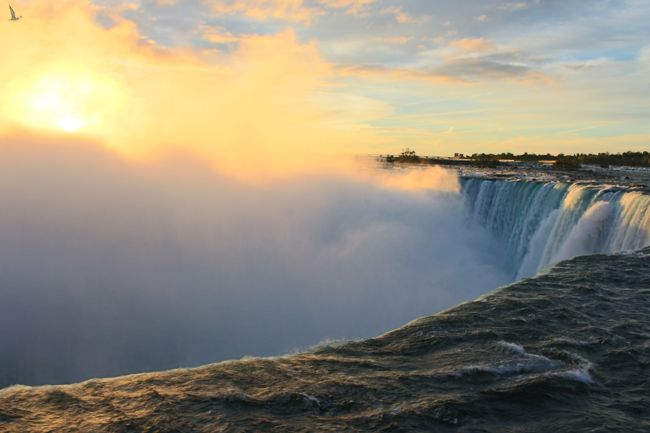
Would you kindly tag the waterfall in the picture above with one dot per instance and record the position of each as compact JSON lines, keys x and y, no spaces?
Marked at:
{"x":542,"y":223}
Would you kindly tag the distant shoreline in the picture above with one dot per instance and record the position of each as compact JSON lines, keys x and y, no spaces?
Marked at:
{"x":561,"y":161}
{"x":626,"y":176}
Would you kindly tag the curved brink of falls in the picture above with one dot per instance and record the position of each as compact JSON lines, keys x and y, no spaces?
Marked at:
{"x":541,"y":224}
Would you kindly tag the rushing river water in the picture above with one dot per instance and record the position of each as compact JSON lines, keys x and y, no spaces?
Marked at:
{"x":568,"y":351}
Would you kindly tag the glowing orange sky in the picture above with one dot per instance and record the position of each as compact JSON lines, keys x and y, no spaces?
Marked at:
{"x":283,"y":99}
{"x":252,"y":108}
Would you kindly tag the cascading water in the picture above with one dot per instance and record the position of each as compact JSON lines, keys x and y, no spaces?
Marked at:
{"x":541,"y":223}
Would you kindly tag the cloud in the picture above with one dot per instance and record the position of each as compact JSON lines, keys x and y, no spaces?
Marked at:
{"x":290,"y":10}
{"x":353,"y":7}
{"x":250,"y":111}
{"x":515,"y":6}
{"x":482,"y":68}
{"x":644,"y":54}
{"x":473,"y":45}
{"x":402,"y":16}
{"x":397,"y":74}
{"x":392,"y":40}
{"x":458,"y":61}
{"x":476,"y":63}
{"x":216,"y":34}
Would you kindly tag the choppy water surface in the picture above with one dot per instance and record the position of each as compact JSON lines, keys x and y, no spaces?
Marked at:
{"x":568,"y":351}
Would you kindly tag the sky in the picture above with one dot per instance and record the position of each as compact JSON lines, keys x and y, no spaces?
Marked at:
{"x":284,"y":83}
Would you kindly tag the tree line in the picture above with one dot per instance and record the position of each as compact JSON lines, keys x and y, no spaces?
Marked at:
{"x":604,"y":159}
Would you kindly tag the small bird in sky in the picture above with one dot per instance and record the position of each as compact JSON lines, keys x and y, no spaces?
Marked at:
{"x":13,"y":14}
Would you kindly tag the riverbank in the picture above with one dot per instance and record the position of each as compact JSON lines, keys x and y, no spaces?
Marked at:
{"x":630,"y":177}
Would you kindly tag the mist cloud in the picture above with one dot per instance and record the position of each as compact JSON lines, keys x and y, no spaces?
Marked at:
{"x":109,"y":266}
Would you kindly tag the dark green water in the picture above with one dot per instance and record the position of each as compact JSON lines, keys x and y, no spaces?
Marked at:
{"x":568,"y":351}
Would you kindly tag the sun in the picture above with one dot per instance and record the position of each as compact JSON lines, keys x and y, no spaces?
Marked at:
{"x":62,"y":102}
{"x":70,"y":101}
{"x":58,"y":102}
{"x":71,"y":123}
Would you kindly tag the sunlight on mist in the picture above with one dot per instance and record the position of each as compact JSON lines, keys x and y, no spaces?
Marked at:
{"x":434,"y":178}
{"x":251,"y":113}
{"x":112,"y":266}
{"x":68,"y":100}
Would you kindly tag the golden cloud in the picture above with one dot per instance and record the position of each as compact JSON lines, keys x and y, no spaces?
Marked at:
{"x":473,"y":45}
{"x":353,"y":7}
{"x":248,"y":111}
{"x":290,"y":10}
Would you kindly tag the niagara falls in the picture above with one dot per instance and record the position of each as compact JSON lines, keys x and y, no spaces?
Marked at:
{"x":325,"y":216}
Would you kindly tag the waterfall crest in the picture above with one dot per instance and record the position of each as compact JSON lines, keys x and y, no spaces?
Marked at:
{"x":542,"y":223}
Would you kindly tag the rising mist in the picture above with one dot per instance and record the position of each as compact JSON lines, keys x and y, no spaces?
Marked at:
{"x":109,"y":266}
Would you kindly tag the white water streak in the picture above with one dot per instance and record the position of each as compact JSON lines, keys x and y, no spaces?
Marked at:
{"x":541,"y":224}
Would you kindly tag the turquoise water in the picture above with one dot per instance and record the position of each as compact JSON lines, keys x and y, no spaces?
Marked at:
{"x":541,"y":224}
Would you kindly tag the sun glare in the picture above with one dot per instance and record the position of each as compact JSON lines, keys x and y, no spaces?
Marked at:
{"x":71,"y":124}
{"x":61,"y":102}
{"x":66,"y":101}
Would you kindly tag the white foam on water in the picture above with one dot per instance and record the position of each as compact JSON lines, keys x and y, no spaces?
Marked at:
{"x":531,"y":363}
{"x":578,"y":375}
{"x":513,"y":347}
